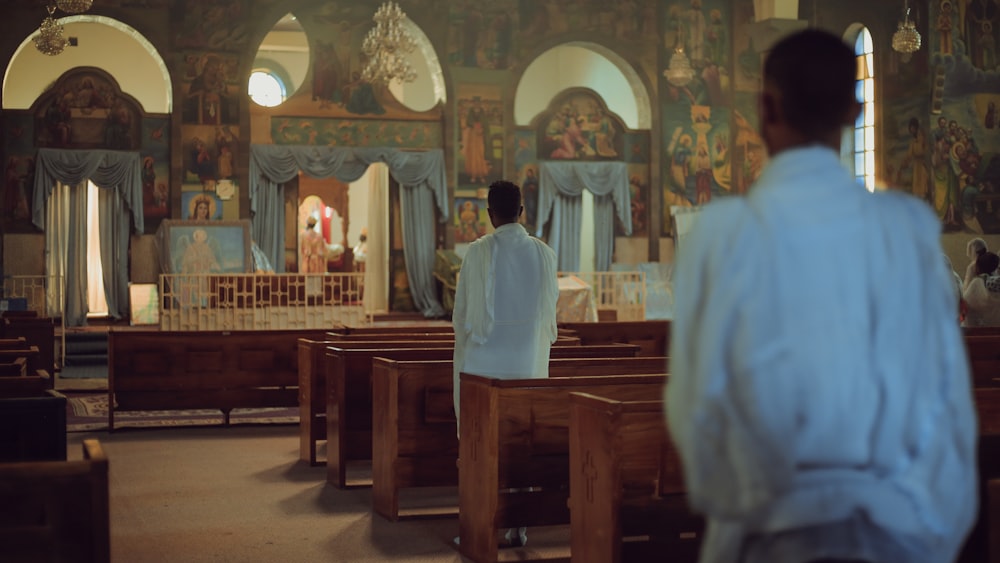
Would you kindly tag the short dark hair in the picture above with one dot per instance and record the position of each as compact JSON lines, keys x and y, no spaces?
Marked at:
{"x":987,"y":263}
{"x":505,"y":199}
{"x":815,"y":71}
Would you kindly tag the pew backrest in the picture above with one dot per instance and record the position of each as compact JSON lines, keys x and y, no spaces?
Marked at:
{"x":56,"y":510}
{"x":653,"y":337}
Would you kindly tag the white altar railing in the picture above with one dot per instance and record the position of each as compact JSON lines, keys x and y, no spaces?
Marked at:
{"x":44,"y":294}
{"x":261,"y":301}
{"x":621,"y":292}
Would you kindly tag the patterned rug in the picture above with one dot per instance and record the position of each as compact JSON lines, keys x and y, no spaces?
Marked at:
{"x":86,"y":412}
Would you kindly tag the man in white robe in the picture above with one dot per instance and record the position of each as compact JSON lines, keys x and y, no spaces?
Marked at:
{"x":505,"y":301}
{"x":820,"y":400}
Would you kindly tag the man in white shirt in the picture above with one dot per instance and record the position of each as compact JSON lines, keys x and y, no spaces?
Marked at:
{"x":505,"y":301}
{"x":819,"y":399}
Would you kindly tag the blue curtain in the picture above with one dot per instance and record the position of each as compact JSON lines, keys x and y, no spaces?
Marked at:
{"x":420,"y":174}
{"x":119,"y":175}
{"x":560,"y":186}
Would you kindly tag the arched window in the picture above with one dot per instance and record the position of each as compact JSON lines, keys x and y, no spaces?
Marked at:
{"x":266,"y":88}
{"x":864,"y":127}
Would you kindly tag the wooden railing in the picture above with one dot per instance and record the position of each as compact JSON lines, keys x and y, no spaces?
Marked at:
{"x":624,"y":293}
{"x":261,"y":301}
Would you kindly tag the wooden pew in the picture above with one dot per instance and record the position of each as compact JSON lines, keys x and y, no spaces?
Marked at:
{"x":31,"y":354}
{"x":154,"y":370}
{"x":653,"y":337}
{"x":56,"y":510}
{"x":414,"y":441}
{"x":404,"y":329}
{"x":33,"y":427}
{"x":373,"y":337}
{"x":312,"y":388}
{"x":37,"y":331}
{"x":984,"y":359}
{"x":349,"y":395}
{"x":626,"y":483}
{"x":16,"y":343}
{"x":514,"y":451}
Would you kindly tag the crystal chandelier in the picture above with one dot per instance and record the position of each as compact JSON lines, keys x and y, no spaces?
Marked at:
{"x":74,"y":6}
{"x":50,"y":40}
{"x":679,"y":73}
{"x":906,"y":40}
{"x":386,"y":47}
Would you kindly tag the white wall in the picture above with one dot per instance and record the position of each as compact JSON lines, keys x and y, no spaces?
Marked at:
{"x":103,"y":43}
{"x":290,"y":49}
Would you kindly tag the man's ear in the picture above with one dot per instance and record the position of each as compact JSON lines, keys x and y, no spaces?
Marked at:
{"x":520,"y":210}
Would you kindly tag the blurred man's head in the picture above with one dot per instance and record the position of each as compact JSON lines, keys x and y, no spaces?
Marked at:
{"x":809,"y":91}
{"x":504,"y":202}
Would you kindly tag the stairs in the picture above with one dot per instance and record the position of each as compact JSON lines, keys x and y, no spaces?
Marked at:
{"x":86,"y":355}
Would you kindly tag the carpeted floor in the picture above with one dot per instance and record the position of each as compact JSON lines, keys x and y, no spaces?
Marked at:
{"x":88,"y":412}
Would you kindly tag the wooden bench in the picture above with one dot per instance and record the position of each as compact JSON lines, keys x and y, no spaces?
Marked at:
{"x":37,"y":331}
{"x":652,"y":337}
{"x":154,"y":370}
{"x":404,"y":329}
{"x":33,"y":427}
{"x":349,"y":395}
{"x":56,"y":510}
{"x":31,"y":354}
{"x":514,"y":451}
{"x":414,"y":441}
{"x":984,"y":359}
{"x":626,"y":483}
{"x":312,"y":389}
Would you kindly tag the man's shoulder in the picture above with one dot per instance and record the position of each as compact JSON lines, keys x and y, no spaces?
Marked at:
{"x":898,"y":206}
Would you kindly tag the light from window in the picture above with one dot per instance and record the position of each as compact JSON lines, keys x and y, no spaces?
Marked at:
{"x":266,"y":89}
{"x":864,"y":128}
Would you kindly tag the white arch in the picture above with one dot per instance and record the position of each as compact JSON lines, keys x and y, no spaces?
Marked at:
{"x":30,"y":72}
{"x":429,"y":74}
{"x":588,"y":65}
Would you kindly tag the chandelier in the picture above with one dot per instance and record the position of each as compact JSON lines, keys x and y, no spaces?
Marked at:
{"x":679,"y":72}
{"x":74,"y":6}
{"x":386,"y":47}
{"x":50,"y":40}
{"x":906,"y":40}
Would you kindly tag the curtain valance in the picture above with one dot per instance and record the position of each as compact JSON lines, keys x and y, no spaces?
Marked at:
{"x":560,"y":188}
{"x":420,"y":174}
{"x":117,"y":170}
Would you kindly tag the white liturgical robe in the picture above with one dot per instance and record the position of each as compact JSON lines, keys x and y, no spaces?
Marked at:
{"x":505,"y":307}
{"x":819,"y":396}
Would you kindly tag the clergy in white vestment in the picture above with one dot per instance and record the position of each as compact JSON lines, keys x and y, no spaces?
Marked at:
{"x":505,"y":302}
{"x":820,"y":402}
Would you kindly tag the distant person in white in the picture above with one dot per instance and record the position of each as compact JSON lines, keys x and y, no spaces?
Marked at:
{"x":820,"y":403}
{"x":505,"y":302}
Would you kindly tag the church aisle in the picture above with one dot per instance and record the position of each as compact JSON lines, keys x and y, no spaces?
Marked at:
{"x":238,"y":494}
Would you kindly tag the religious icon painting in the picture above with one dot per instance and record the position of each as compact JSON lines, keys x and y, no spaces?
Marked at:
{"x":470,"y":219}
{"x":481,"y":143}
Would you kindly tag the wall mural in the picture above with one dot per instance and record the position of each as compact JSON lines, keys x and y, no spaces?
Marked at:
{"x":212,"y":92}
{"x":87,"y":110}
{"x":209,"y":155}
{"x":481,"y":36}
{"x":155,"y":172}
{"x":217,"y":25}
{"x":471,"y":218}
{"x":479,"y":109}
{"x":355,"y":132}
{"x":19,"y":169}
{"x":711,"y":142}
{"x":949,"y":155}
{"x":580,"y":127}
{"x":526,"y":174}
{"x":630,"y":24}
{"x":334,"y":87}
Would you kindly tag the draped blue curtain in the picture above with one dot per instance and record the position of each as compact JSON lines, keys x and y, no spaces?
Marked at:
{"x":560,"y":187}
{"x":119,"y":175}
{"x":420,"y":174}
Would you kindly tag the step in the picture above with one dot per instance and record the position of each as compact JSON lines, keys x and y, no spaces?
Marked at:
{"x":86,"y":360}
